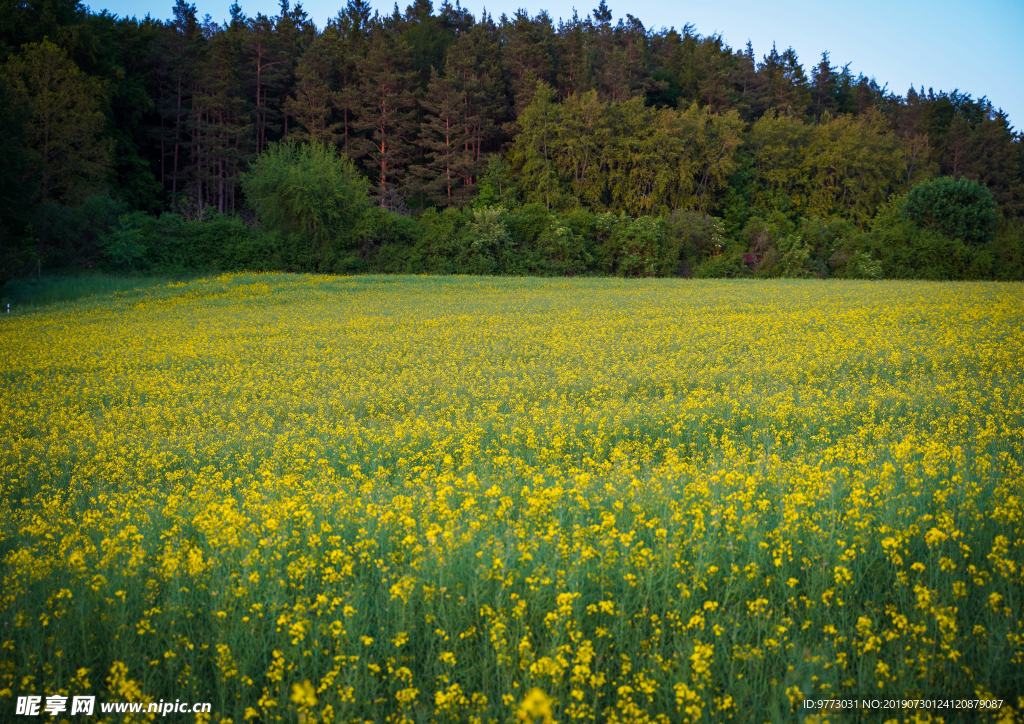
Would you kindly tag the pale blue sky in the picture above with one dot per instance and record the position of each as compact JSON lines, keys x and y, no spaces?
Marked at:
{"x":942,"y":44}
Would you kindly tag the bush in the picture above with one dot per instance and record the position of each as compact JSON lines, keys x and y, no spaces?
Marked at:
{"x":957,"y":209}
{"x":1008,"y":251}
{"x":638,"y":246}
{"x":909,"y":251}
{"x":391,"y":243}
{"x":76,"y":235}
{"x":728,"y":265}
{"x":485,"y":240}
{"x":170,"y":244}
{"x":690,"y":237}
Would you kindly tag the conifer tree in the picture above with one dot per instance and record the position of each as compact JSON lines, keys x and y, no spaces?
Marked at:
{"x":313,"y":100}
{"x":386,"y":111}
{"x":576,"y":57}
{"x":266,"y":67}
{"x":449,"y":158}
{"x":528,"y":46}
{"x":824,"y":87}
{"x":345,"y":37}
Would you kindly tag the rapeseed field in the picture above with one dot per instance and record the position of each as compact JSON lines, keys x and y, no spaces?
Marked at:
{"x":400,"y":499}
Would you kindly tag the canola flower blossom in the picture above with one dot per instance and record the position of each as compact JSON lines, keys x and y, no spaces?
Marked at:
{"x":331,"y":499}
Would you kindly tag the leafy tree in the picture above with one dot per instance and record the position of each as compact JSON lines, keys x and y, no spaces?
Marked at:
{"x":533,"y":156}
{"x":306,"y":191}
{"x":496,"y":186}
{"x":957,"y":208}
{"x":16,"y":188}
{"x":777,"y":144}
{"x":65,"y":122}
{"x":851,"y":166}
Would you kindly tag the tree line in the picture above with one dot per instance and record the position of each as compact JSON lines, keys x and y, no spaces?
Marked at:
{"x":437,"y":110}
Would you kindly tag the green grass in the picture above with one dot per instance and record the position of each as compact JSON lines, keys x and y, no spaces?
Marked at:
{"x":52,"y":288}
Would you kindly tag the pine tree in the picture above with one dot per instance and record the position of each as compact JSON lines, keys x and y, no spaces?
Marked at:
{"x":386,"y":111}
{"x":474,"y":67}
{"x":219,"y":120}
{"x":527,"y":55}
{"x":576,"y":57}
{"x":313,"y":100}
{"x":751,"y":87}
{"x":346,"y":39}
{"x":266,"y":78}
{"x":295,"y":32}
{"x":178,"y":47}
{"x":623,"y":74}
{"x":824,"y":87}
{"x":787,"y":83}
{"x":449,"y":157}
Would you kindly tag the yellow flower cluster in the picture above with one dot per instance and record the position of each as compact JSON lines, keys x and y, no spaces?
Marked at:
{"x":328,"y":499}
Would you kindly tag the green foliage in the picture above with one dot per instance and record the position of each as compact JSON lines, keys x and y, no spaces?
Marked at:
{"x":1008,"y":252}
{"x":496,"y":187}
{"x":63,"y":131}
{"x":788,"y":257}
{"x":844,"y":166}
{"x":75,"y":235}
{"x":307,"y":191}
{"x":728,"y":265}
{"x":485,"y":239}
{"x":440,"y":110}
{"x":637,"y":245}
{"x":16,"y":188}
{"x":398,"y":244}
{"x":622,"y":157}
{"x":170,"y":244}
{"x":689,"y":237}
{"x":958,"y":208}
{"x":909,"y":251}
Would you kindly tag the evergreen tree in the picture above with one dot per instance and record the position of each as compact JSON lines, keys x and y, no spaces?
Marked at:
{"x":576,"y":57}
{"x":313,"y":101}
{"x":266,"y":78}
{"x":219,"y":126}
{"x":386,"y":111}
{"x":345,"y":37}
{"x":787,"y":83}
{"x":824,"y":87}
{"x":528,"y":55}
{"x":752,"y":89}
{"x":449,"y":155}
{"x":178,"y":47}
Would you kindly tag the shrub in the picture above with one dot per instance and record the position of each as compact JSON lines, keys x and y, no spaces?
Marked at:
{"x":390,"y":242}
{"x":689,"y":237}
{"x":638,"y":245}
{"x":958,"y":209}
{"x":727,"y":265}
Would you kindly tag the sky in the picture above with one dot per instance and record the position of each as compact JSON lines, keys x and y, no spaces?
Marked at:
{"x":942,"y":44}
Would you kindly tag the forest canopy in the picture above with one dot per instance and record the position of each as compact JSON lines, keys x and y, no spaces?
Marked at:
{"x":490,"y":145}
